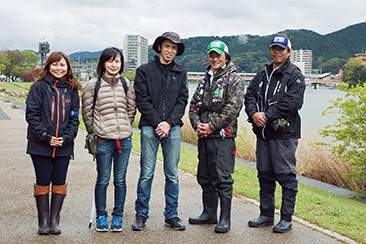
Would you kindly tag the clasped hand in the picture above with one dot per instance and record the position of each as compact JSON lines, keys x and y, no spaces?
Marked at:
{"x":259,"y":119}
{"x":162,"y":130}
{"x":56,"y":142}
{"x":203,"y":130}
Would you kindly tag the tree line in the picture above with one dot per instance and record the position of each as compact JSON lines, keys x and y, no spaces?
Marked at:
{"x":14,"y":64}
{"x":23,"y":65}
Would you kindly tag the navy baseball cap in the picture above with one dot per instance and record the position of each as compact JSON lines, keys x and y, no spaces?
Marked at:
{"x":281,"y":41}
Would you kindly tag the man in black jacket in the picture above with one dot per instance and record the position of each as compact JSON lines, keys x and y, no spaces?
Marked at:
{"x":272,"y":101}
{"x":161,"y":89}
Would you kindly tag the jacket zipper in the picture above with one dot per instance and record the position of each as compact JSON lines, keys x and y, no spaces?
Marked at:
{"x":115,"y":107}
{"x":58,"y":117}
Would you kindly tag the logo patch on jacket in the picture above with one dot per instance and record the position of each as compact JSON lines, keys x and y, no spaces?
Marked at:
{"x":68,"y":100}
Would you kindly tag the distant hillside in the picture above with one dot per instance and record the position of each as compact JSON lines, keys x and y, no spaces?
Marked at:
{"x":250,"y":53}
{"x":85,"y":55}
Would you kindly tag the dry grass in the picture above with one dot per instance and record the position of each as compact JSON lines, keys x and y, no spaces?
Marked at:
{"x":188,"y":134}
{"x":245,"y":143}
{"x":317,"y":162}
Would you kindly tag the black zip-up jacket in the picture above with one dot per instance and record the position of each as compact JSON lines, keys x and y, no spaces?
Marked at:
{"x":161,"y":97}
{"x":54,"y":113}
{"x":261,"y":92}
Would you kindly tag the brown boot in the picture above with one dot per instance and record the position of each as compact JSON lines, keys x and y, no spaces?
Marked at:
{"x":41,"y":193}
{"x":57,"y":199}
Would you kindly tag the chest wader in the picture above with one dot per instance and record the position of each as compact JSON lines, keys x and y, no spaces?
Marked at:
{"x":210,"y":197}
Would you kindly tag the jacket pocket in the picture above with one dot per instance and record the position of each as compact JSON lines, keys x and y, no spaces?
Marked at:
{"x":53,"y":108}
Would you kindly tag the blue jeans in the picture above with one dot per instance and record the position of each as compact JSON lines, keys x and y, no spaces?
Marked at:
{"x":171,"y":154}
{"x":107,"y":151}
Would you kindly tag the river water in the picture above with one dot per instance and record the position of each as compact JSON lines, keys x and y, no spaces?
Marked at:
{"x":315,"y":102}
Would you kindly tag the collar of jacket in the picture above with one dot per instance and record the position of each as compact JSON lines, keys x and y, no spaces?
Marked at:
{"x":281,"y":69}
{"x":111,"y":79}
{"x":176,"y":67}
{"x":50,"y":79}
{"x":229,"y":67}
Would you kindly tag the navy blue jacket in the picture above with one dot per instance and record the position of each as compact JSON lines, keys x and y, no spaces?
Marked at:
{"x":261,"y":91}
{"x":52,"y":112}
{"x":161,"y":97}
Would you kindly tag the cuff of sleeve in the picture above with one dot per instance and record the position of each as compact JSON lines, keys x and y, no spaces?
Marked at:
{"x":170,"y":123}
{"x":48,"y":138}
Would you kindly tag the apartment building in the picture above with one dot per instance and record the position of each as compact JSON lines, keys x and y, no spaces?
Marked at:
{"x":303,"y":59}
{"x":135,"y":51}
{"x":361,"y":56}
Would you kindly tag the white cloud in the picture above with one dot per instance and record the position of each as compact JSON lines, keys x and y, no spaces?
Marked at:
{"x":92,"y":25}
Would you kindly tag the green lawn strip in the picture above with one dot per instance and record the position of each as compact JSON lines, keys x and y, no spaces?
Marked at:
{"x":339,"y":214}
{"x":333,"y":212}
{"x":16,"y":86}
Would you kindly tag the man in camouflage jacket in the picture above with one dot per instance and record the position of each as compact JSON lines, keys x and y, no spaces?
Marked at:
{"x":213,"y":113}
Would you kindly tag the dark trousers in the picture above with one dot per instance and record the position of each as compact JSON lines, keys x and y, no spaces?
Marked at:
{"x":216,"y":165}
{"x":50,"y":169}
{"x":276,"y":162}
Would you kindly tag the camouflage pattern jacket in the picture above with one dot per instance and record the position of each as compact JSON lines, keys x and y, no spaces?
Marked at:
{"x":218,"y":104}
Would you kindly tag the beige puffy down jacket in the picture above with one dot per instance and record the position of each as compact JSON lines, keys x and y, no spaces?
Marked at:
{"x":113,"y":113}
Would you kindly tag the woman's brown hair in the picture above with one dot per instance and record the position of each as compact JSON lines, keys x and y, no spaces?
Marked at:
{"x":56,"y":57}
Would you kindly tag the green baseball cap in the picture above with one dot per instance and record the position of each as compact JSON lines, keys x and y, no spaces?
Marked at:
{"x":218,"y":47}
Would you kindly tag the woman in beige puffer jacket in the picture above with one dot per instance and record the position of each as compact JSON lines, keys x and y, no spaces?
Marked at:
{"x":110,"y":120}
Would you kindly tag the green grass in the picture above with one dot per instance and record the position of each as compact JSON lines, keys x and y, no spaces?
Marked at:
{"x":336,"y":213}
{"x":16,"y":86}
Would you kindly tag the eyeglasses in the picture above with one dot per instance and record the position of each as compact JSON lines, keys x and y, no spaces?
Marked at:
{"x":277,"y":48}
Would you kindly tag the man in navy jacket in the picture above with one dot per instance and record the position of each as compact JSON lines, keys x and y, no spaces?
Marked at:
{"x":272,"y":101}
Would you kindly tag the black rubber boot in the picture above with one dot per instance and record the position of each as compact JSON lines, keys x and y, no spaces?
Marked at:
{"x":57,"y":201}
{"x":209,"y":214}
{"x":56,"y":206}
{"x":43,"y":213}
{"x":261,"y":221}
{"x":224,"y":224}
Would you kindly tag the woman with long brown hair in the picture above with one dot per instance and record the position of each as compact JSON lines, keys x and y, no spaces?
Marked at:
{"x":52,"y":115}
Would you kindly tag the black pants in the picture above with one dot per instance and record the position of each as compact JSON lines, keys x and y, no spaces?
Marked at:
{"x":276,"y":162}
{"x":50,"y":169}
{"x":216,"y":165}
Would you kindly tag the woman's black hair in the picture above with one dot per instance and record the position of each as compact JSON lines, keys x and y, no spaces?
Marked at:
{"x":107,"y":54}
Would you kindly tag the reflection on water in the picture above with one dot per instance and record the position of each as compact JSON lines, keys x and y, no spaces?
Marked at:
{"x":315,"y":102}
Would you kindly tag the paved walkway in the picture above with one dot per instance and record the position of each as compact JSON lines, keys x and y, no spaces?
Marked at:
{"x":18,"y":214}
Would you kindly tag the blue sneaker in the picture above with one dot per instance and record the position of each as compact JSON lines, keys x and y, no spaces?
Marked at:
{"x":116,"y":224}
{"x":102,"y":224}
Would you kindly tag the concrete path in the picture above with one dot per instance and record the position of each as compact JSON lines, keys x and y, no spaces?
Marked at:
{"x":18,"y":214}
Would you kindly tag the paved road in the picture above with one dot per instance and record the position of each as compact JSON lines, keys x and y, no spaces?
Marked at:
{"x":18,"y":215}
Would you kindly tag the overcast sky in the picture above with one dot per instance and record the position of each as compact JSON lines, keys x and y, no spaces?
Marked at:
{"x":92,"y":25}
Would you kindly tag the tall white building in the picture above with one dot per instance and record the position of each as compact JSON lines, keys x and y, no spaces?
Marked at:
{"x":135,"y":51}
{"x":302,"y":59}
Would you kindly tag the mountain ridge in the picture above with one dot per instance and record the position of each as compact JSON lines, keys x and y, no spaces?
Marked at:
{"x":250,"y":52}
